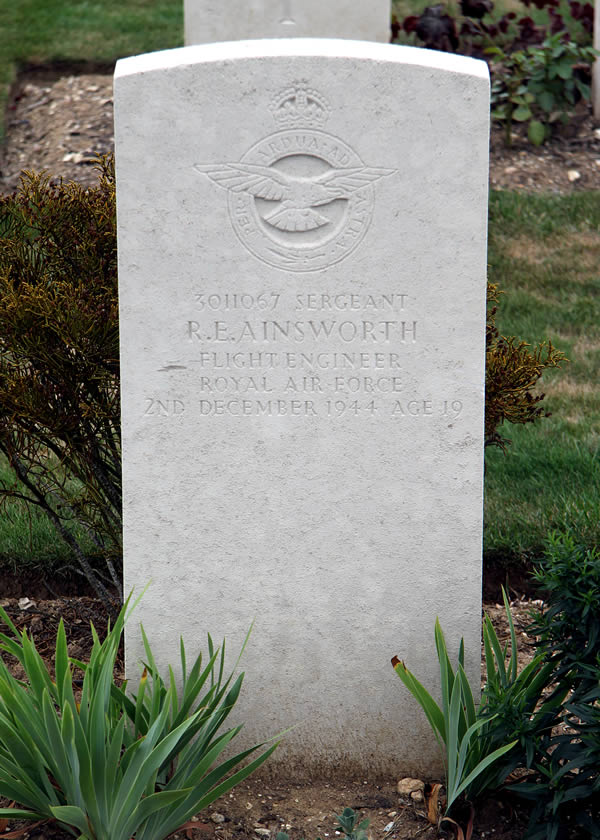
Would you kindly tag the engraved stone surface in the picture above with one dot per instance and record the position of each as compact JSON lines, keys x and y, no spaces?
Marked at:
{"x":208,"y":20}
{"x":302,"y":266}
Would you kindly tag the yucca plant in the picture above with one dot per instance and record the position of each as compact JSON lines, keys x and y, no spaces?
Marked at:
{"x":483,"y":743}
{"x":110,"y":766}
{"x":455,"y":724}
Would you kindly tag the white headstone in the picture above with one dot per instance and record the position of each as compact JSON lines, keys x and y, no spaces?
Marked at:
{"x":302,"y":267}
{"x":207,"y":20}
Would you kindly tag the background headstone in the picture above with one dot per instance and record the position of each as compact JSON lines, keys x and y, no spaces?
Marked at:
{"x":302,"y":266}
{"x":208,"y":20}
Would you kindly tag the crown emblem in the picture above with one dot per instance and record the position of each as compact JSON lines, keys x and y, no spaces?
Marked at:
{"x":300,"y":105}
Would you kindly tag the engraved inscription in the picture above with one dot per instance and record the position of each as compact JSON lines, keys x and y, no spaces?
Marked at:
{"x":410,"y":409}
{"x":297,"y":332}
{"x":343,"y":354}
{"x":299,"y":199}
{"x":163,"y":407}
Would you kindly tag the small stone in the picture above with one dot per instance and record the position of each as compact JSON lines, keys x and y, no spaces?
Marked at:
{"x":262,"y":832}
{"x":248,"y":806}
{"x":417,"y":796}
{"x":573,"y":175}
{"x":407,"y":786}
{"x":510,"y":170}
{"x":392,"y":813}
{"x":597,"y":162}
{"x":597,"y":133}
{"x":217,"y":818}
{"x":25,"y":604}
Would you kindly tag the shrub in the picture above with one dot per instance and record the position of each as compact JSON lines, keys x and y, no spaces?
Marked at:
{"x":59,"y":364}
{"x":539,"y":85}
{"x":476,"y":28}
{"x":109,"y":766}
{"x":540,"y":68}
{"x":565,"y":784}
{"x":512,"y":370}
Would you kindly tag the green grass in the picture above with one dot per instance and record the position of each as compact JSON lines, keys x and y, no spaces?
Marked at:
{"x":41,"y":31}
{"x":28,"y":540}
{"x":544,"y":253}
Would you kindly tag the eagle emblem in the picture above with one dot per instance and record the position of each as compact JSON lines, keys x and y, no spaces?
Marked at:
{"x":296,"y":197}
{"x":300,"y":199}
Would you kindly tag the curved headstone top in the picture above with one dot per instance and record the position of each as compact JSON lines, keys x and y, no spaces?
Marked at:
{"x":302,"y":272}
{"x":302,"y":47}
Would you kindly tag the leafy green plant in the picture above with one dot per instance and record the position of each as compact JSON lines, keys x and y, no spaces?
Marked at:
{"x":109,"y":766}
{"x":482,"y":746}
{"x":514,"y":703}
{"x":347,"y":823}
{"x":539,"y":85}
{"x":564,"y":787}
{"x":455,"y":724}
{"x":564,"y":784}
{"x":569,"y":627}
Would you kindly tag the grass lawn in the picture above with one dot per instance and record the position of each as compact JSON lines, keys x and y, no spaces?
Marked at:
{"x":36,"y":31}
{"x":28,"y":540}
{"x":544,"y":252}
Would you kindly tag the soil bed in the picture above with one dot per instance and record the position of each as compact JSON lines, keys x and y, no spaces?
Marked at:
{"x":59,"y":121}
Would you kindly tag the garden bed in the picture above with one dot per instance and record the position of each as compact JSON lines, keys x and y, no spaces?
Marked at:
{"x":59,"y":120}
{"x":272,"y":803}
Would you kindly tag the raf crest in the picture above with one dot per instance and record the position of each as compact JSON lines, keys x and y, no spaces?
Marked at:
{"x":299,"y":199}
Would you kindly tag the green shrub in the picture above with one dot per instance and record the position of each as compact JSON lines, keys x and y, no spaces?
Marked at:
{"x":512,"y":370}
{"x":59,"y":364}
{"x":565,"y":784}
{"x":111,"y":766}
{"x":539,"y":85}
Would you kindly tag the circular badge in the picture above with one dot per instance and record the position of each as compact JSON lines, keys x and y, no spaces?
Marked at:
{"x":307,"y":208}
{"x":299,"y":199}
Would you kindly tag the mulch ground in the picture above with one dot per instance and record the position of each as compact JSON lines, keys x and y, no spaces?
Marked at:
{"x":59,"y":120}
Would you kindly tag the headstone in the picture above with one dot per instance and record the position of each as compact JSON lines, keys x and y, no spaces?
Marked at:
{"x":207,"y":20}
{"x":302,"y":266}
